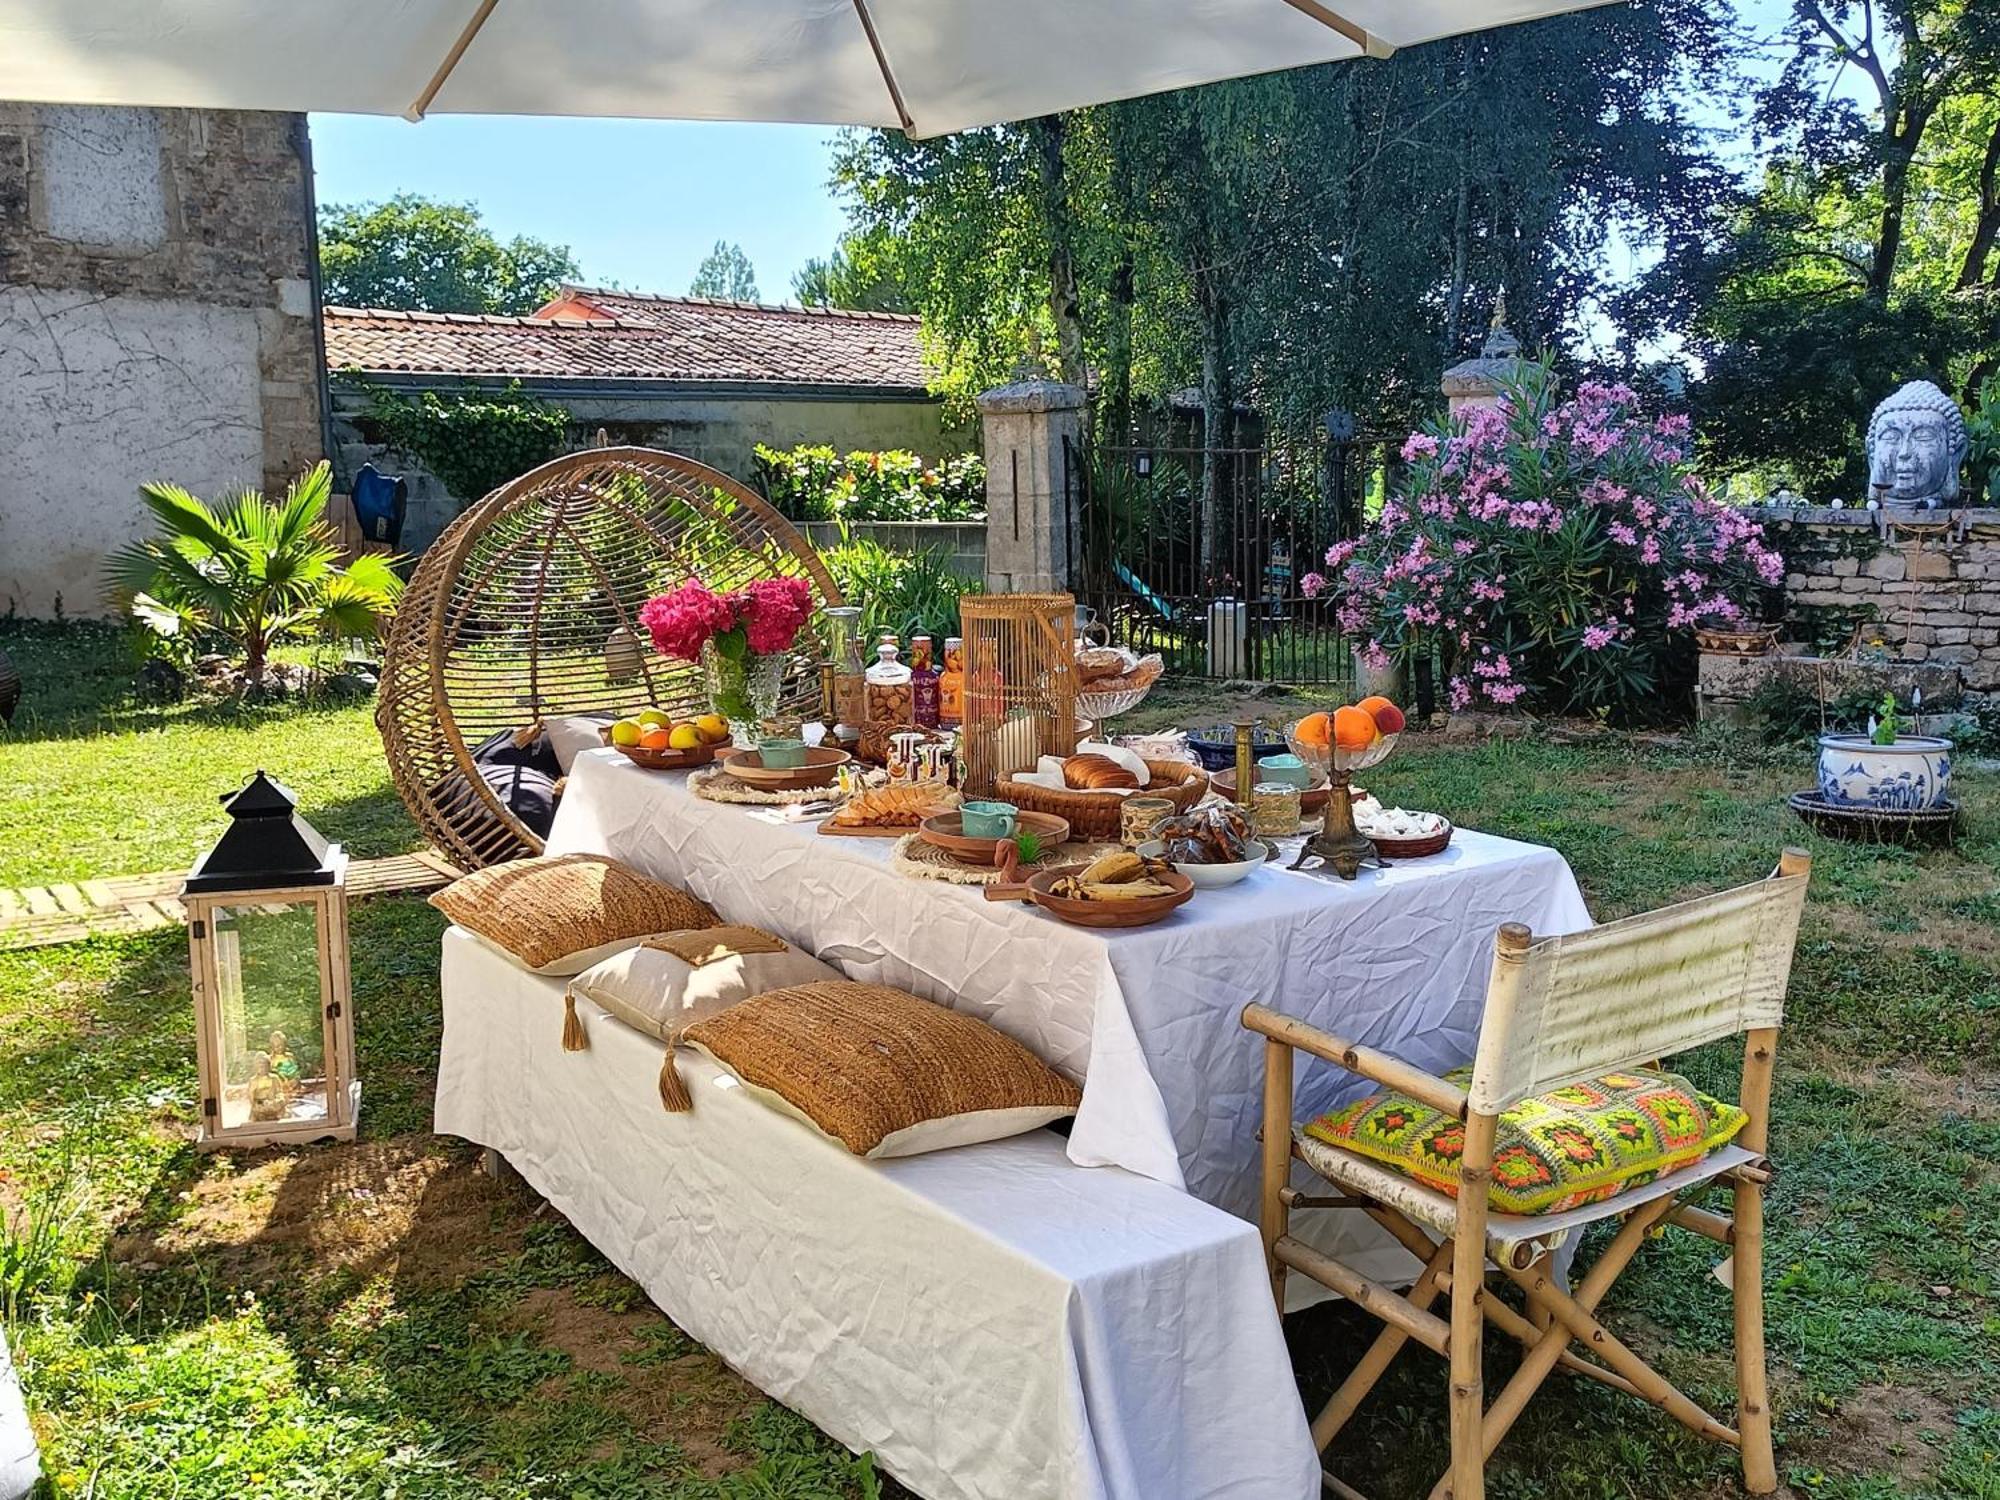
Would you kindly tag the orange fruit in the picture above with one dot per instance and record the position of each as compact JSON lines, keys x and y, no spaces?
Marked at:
{"x":1314,"y":729}
{"x":656,"y":739}
{"x":1354,"y":729}
{"x":1388,"y":718}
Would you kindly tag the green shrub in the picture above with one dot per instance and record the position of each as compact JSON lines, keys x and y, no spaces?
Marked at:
{"x":904,"y":592}
{"x":813,"y":483}
{"x":473,"y":440}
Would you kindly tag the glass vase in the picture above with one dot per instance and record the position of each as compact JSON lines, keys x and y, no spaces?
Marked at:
{"x":743,"y":689}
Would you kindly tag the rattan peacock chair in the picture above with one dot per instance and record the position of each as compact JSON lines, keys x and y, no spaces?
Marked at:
{"x":527,"y":609}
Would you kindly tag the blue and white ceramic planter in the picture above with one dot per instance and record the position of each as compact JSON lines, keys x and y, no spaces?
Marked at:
{"x":1912,"y":775}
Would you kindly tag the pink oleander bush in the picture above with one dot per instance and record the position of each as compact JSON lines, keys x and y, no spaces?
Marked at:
{"x":1558,"y":554}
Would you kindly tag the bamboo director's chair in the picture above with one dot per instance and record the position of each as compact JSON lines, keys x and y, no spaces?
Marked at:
{"x":1558,"y":1011}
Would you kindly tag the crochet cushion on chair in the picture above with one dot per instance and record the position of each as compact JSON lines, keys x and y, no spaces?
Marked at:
{"x":562,"y":914}
{"x":1578,"y":1144}
{"x":882,"y":1072}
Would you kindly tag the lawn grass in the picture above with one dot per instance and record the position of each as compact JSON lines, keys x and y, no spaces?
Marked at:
{"x":381,"y":1320}
{"x":94,"y":783}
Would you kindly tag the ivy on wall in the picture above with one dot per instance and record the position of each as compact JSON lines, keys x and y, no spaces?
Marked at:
{"x":474,"y":440}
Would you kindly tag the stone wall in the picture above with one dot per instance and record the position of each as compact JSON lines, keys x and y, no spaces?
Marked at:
{"x":156,"y":322}
{"x":1927,"y":586}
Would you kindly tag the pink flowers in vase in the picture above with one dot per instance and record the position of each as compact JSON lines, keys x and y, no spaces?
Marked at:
{"x":763,"y":619}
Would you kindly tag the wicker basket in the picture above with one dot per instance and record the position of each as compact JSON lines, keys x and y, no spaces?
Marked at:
{"x":1094,"y":815}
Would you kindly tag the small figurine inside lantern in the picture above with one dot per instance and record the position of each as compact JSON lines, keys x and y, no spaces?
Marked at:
{"x":267,"y":936}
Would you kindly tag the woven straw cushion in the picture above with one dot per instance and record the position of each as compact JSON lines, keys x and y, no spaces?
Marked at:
{"x":1578,"y":1144}
{"x":672,"y":980}
{"x":561,"y":915}
{"x":882,"y":1072}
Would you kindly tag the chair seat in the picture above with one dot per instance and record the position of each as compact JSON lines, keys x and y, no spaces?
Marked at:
{"x":1438,"y":1212}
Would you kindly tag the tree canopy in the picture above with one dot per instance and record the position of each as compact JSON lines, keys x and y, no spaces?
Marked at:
{"x":1812,"y":218}
{"x":420,"y":255}
{"x":725,"y":272}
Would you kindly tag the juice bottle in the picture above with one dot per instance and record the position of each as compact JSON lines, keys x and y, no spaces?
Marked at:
{"x":924,"y":690}
{"x":951,"y":684}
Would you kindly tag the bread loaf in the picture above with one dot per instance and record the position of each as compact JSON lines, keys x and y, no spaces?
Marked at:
{"x":1097,"y":773}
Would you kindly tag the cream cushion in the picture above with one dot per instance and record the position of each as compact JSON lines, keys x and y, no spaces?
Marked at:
{"x":670,"y":981}
{"x":880,"y":1072}
{"x":569,"y":737}
{"x":560,"y":915}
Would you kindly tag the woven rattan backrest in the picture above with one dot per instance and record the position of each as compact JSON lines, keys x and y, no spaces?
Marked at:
{"x":1634,"y":990}
{"x":527,"y":608}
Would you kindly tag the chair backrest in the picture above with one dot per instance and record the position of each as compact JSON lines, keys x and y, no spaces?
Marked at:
{"x":1630,"y":991}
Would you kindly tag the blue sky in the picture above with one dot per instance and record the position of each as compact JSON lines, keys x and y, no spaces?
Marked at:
{"x":640,"y":202}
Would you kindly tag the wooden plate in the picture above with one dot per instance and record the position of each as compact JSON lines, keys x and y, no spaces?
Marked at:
{"x":666,"y":760}
{"x":748,"y":767}
{"x":1312,"y":801}
{"x":943,"y":830}
{"x":1105,"y":913}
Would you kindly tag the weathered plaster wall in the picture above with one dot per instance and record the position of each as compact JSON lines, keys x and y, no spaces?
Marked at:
{"x":719,"y":430}
{"x":156,"y":322}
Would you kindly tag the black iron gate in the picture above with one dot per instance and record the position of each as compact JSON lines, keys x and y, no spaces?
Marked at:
{"x":1201,"y":554}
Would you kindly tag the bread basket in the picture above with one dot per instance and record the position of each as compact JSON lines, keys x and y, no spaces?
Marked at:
{"x":1094,"y":815}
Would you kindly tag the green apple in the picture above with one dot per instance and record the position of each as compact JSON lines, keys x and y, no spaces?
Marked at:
{"x":626,"y":732}
{"x":655,"y":718}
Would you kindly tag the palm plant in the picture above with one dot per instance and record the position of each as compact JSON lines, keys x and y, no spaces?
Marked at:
{"x":253,"y":572}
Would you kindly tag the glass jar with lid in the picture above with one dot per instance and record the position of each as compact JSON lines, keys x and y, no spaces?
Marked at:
{"x":890,"y":700}
{"x":843,"y":649}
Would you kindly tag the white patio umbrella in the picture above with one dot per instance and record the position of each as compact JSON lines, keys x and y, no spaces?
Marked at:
{"x":930,"y":66}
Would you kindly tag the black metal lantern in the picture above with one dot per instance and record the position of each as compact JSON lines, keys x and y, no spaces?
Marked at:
{"x":267,"y":943}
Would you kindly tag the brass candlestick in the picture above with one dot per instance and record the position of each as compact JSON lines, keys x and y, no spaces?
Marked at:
{"x":1246,"y":760}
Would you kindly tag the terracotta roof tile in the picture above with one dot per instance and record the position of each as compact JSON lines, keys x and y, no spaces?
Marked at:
{"x":637,"y":337}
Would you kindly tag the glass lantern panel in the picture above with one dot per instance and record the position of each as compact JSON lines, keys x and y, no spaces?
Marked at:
{"x":272,"y":1042}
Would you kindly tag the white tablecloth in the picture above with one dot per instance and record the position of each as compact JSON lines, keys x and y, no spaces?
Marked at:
{"x":1146,"y":1018}
{"x":993,"y":1322}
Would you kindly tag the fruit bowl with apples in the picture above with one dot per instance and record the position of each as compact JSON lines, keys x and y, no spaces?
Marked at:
{"x":655,"y":739}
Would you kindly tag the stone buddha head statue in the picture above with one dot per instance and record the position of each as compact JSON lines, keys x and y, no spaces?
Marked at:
{"x":1916,"y":442}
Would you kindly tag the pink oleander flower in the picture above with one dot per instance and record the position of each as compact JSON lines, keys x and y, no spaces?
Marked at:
{"x":1597,"y":637}
{"x":1622,"y":534}
{"x":1419,"y":445}
{"x":1312,"y":585}
{"x":1459,"y":694}
{"x":680,"y":620}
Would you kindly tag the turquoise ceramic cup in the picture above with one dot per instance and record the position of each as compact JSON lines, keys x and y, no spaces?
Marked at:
{"x":1288,"y":769}
{"x":783,"y":755}
{"x":988,"y":820}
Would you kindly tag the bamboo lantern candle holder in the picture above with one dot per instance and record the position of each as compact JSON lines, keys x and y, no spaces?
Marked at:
{"x":1020,"y":684}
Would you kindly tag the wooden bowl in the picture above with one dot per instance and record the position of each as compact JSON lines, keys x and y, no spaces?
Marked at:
{"x":748,"y":767}
{"x":943,"y":831}
{"x":665,"y":760}
{"x":1312,"y":801}
{"x":1105,"y":913}
{"x":1430,"y":843}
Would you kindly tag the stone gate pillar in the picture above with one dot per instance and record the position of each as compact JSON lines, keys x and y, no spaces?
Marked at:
{"x":1031,"y":528}
{"x":1477,"y":381}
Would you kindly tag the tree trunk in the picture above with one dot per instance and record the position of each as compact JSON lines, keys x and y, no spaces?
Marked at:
{"x":1901,"y":149}
{"x":1217,"y":401}
{"x":1986,"y":225}
{"x":1064,"y":308}
{"x":1117,"y":424}
{"x":1461,"y":253}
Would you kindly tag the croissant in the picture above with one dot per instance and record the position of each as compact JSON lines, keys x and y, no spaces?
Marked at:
{"x":899,"y":806}
{"x":1095,"y":662}
{"x":1097,"y":773}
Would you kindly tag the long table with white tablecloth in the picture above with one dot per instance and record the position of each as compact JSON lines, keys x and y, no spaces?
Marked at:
{"x":1146,"y":1018}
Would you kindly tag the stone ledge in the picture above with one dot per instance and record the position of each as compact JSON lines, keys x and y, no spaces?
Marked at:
{"x":1030,"y":397}
{"x":1982,"y":517}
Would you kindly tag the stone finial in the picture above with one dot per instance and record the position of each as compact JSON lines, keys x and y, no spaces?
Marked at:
{"x":1916,"y":443}
{"x":1477,"y":381}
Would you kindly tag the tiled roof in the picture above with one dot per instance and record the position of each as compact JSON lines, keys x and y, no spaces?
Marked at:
{"x":631,"y":336}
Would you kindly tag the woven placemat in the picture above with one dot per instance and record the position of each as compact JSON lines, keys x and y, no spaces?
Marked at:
{"x":911,"y":856}
{"x":717,"y":785}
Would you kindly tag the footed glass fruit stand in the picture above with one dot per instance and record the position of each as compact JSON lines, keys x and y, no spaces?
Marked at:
{"x":1339,"y":845}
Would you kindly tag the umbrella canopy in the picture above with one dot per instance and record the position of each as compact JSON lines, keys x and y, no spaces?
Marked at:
{"x":929,"y":66}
